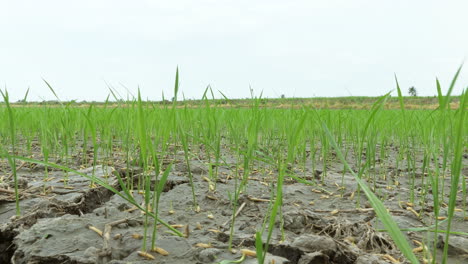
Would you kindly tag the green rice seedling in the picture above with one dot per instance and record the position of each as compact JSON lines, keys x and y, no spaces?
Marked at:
{"x":179,"y":127}
{"x":212,"y":141}
{"x":324,"y":151}
{"x":184,"y":137}
{"x":234,"y":197}
{"x":313,"y":151}
{"x":276,"y":207}
{"x":253,"y":129}
{"x":84,"y":152}
{"x":259,"y":248}
{"x":409,"y":156}
{"x":109,"y":135}
{"x":147,"y":193}
{"x":157,"y":197}
{"x":45,"y":145}
{"x":144,"y":158}
{"x":127,"y":144}
{"x":94,"y":140}
{"x":424,"y":172}
{"x":11,"y":159}
{"x":25,"y":98}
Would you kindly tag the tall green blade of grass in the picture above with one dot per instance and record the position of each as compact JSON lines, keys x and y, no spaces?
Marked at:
{"x":26,"y":96}
{"x":53,"y":91}
{"x":400,"y":96}
{"x":12,"y":160}
{"x":176,"y":85}
{"x":456,"y":166}
{"x":446,"y":100}
{"x":440,"y":96}
{"x":224,"y":96}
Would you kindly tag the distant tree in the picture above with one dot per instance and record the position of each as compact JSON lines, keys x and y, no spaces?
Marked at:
{"x":283,"y":96}
{"x":412,"y":91}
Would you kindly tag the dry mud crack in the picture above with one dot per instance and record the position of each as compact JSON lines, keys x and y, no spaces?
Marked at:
{"x":48,"y":200}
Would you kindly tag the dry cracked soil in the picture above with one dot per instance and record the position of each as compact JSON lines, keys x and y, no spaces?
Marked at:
{"x":322,"y":223}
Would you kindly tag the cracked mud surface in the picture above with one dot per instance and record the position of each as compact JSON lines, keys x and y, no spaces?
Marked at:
{"x":322,"y":223}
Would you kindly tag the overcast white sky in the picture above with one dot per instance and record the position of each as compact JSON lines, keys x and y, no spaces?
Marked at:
{"x":297,"y":48}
